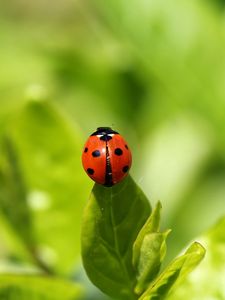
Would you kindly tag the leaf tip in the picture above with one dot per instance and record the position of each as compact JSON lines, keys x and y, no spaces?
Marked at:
{"x":198,"y":248}
{"x":159,"y":204}
{"x":167,"y":232}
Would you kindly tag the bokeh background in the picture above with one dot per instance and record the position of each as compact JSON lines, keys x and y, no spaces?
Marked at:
{"x":153,"y":70}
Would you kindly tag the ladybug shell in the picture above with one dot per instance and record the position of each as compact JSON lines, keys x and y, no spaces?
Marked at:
{"x":106,"y":157}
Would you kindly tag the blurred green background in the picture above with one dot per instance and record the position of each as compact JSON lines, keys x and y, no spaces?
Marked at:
{"x":153,"y":70}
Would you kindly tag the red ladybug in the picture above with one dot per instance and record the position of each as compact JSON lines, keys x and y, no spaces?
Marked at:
{"x":106,"y":157}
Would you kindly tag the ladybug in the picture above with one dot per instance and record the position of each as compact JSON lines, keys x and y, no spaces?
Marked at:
{"x":106,"y":157}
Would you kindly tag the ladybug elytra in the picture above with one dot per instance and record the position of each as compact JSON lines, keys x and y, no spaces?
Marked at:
{"x":106,"y":157}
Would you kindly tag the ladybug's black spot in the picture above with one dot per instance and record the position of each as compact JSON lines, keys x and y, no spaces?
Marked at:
{"x":125,"y":169}
{"x":96,"y":153}
{"x":126,"y":147}
{"x":86,"y":149}
{"x":105,"y":137}
{"x":90,"y":171}
{"x":118,"y":151}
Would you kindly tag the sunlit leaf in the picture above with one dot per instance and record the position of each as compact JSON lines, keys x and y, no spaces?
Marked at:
{"x":208,"y":280}
{"x":49,"y":150}
{"x":174,"y":273}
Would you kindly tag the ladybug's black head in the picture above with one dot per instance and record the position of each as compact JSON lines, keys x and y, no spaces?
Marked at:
{"x":104,"y":131}
{"x":104,"y":128}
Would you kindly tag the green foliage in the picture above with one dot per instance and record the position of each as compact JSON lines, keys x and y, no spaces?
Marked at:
{"x":154,"y":70}
{"x":122,"y":250}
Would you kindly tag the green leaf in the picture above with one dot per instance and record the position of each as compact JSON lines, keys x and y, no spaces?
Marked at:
{"x":151,"y":225}
{"x":149,"y":250}
{"x":174,"y":273}
{"x":49,"y":150}
{"x":153,"y":251}
{"x":112,"y":220}
{"x":33,"y":287}
{"x":13,"y":194}
{"x":207,"y":281}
